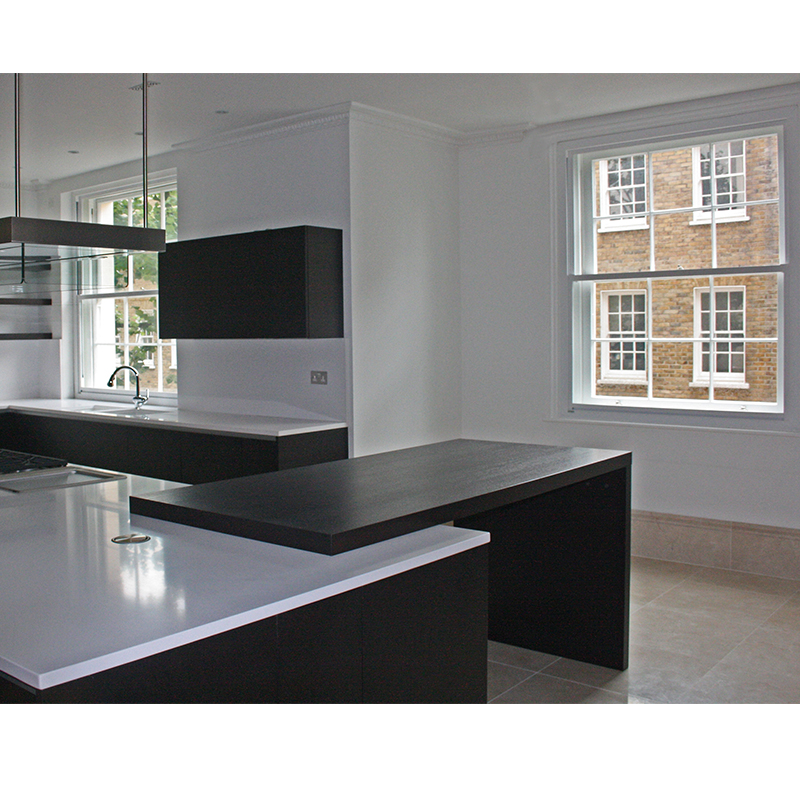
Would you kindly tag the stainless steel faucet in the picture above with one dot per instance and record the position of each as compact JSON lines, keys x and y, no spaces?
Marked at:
{"x":138,"y":399}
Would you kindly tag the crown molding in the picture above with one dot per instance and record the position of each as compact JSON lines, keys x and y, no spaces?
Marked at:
{"x":331,"y":116}
{"x":498,"y":136}
{"x":399,"y":123}
{"x":352,"y":112}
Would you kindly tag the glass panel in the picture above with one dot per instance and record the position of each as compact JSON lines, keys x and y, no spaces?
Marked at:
{"x":171,"y":215}
{"x":672,"y":372}
{"x":673,"y":178}
{"x":623,"y":250}
{"x":122,"y":212}
{"x":684,"y":346}
{"x":679,"y":244}
{"x":145,"y":271}
{"x":754,"y":243}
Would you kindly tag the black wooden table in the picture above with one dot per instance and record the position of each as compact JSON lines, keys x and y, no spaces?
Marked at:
{"x":559,"y":517}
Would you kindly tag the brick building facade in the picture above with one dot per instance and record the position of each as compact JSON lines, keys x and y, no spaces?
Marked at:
{"x":654,"y":215}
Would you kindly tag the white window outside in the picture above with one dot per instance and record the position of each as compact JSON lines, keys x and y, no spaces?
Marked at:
{"x":623,"y":192}
{"x":659,"y":318}
{"x":721,"y":330}
{"x":720,"y":182}
{"x":624,"y":326}
{"x":118,"y":297}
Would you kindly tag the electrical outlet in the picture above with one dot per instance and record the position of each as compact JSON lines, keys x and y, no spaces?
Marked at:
{"x":319,"y":376}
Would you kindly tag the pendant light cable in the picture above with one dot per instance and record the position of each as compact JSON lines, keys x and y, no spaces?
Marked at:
{"x":16,"y":146}
{"x":144,"y":148}
{"x":17,"y":171}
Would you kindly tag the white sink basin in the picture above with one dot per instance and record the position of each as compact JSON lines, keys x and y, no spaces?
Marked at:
{"x":57,"y":478}
{"x":129,"y":412}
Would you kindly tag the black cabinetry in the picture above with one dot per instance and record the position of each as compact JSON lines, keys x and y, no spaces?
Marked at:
{"x":173,"y":455}
{"x":416,"y":637}
{"x":273,"y":284}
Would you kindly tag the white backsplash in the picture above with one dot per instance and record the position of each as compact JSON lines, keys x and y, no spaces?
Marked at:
{"x":263,"y":377}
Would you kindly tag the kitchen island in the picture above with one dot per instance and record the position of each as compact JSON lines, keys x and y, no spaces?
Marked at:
{"x":192,"y":615}
{"x":559,"y":518}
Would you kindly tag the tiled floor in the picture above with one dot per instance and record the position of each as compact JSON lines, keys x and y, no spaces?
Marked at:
{"x":697,"y":635}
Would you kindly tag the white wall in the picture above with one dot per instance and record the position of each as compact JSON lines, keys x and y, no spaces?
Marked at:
{"x":29,"y":369}
{"x":406,"y":351}
{"x":515,"y":331}
{"x":292,"y":172}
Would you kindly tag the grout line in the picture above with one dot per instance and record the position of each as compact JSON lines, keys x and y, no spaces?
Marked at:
{"x":506,"y":691}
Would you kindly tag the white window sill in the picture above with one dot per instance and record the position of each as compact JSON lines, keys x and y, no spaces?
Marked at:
{"x":706,"y":219}
{"x":613,"y":381}
{"x":632,"y":225}
{"x":720,"y":384}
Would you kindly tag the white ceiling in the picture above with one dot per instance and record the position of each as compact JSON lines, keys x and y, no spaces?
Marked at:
{"x":98,"y":114}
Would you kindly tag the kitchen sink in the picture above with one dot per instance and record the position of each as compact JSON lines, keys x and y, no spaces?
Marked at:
{"x":58,"y":478}
{"x":129,"y":412}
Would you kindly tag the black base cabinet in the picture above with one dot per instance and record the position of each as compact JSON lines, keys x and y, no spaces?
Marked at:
{"x":559,"y":570}
{"x":417,"y":637}
{"x":184,"y":456}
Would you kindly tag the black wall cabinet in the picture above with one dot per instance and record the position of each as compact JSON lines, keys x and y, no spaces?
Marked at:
{"x":274,"y":284}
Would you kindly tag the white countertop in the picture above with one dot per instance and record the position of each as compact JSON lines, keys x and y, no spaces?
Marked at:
{"x":73,"y":603}
{"x":176,"y":418}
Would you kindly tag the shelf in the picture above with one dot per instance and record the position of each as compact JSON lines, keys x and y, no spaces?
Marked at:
{"x":8,"y":337}
{"x":25,"y":301}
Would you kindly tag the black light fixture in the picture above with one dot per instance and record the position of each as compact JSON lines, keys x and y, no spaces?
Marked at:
{"x":29,"y":241}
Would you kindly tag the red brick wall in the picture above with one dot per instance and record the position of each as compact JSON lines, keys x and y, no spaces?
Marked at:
{"x":679,"y":243}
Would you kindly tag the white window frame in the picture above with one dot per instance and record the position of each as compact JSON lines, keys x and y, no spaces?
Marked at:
{"x":89,"y":204}
{"x":703,"y":214}
{"x":579,"y":391}
{"x":608,"y":338}
{"x":703,"y":339}
{"x":610,"y":221}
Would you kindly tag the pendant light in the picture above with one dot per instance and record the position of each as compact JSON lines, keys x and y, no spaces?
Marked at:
{"x":28,"y":241}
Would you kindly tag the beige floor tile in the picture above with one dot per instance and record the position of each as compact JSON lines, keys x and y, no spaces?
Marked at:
{"x":698,"y":595}
{"x":705,"y":636}
{"x":545,"y":689}
{"x":787,"y":617}
{"x":650,"y":578}
{"x":763,"y":669}
{"x":519,"y":657}
{"x":746,"y":581}
{"x":502,"y":677}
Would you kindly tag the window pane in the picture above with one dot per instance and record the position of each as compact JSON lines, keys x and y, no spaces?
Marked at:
{"x":682,"y":343}
{"x":754,"y":243}
{"x":705,"y":205}
{"x":123,"y":330}
{"x":623,"y":250}
{"x":171,"y":215}
{"x":679,"y":244}
{"x":145,"y":270}
{"x":672,"y":372}
{"x":673,"y":179}
{"x":154,"y":211}
{"x":121,"y":212}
